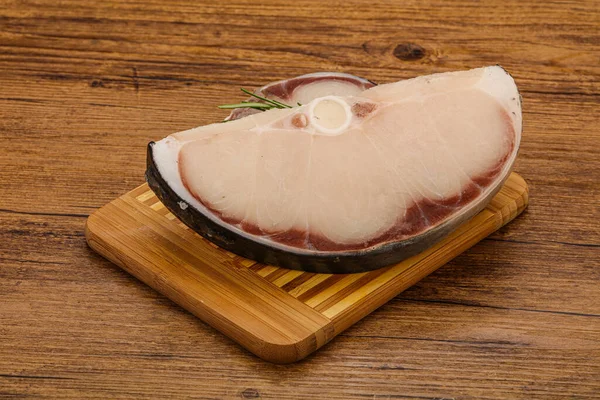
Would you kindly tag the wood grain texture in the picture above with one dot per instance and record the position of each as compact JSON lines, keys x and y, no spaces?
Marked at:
{"x":258,"y":305}
{"x":85,"y":85}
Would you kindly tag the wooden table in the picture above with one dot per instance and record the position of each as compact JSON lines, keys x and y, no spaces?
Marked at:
{"x":85,"y":85}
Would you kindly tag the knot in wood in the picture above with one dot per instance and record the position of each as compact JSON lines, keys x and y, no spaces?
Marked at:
{"x":250,"y":394}
{"x":409,"y":52}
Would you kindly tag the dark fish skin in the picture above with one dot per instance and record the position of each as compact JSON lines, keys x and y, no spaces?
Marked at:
{"x":342,"y":262}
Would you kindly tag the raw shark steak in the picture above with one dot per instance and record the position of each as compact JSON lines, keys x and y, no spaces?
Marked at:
{"x":350,"y":181}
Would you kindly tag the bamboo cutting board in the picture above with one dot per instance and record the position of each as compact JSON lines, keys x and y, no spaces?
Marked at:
{"x":278,"y":314}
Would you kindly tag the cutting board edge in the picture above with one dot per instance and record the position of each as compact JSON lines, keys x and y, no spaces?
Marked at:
{"x":293,"y":350}
{"x":275,"y":351}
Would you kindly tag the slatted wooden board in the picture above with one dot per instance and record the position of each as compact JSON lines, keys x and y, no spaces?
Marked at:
{"x":280,"y":315}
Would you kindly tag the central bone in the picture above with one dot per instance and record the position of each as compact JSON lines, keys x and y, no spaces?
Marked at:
{"x":330,"y":115}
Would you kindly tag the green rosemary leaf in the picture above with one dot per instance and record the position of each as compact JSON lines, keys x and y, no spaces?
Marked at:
{"x":275,"y":103}
{"x":247,"y":105}
{"x":267,"y":105}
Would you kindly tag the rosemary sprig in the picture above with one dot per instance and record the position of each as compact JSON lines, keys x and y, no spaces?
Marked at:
{"x":275,"y":103}
{"x":267,"y":105}
{"x":246,"y":104}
